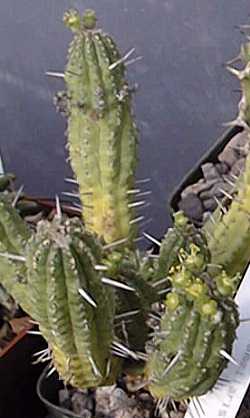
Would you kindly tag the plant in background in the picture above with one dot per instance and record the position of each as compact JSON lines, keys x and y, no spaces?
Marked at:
{"x":231,"y":221}
{"x":103,"y":306}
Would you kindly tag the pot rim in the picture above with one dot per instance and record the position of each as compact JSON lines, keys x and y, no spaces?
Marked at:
{"x":49,"y":404}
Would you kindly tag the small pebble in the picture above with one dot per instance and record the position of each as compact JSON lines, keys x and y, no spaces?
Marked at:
{"x":209,"y":171}
{"x":209,"y":205}
{"x":222,"y":168}
{"x":192,"y":207}
{"x":238,"y":167}
{"x":228,"y":156}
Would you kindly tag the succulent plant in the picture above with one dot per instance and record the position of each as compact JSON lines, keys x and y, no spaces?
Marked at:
{"x":196,"y":329}
{"x":228,"y":232}
{"x":84,"y":282}
{"x":102,"y":134}
{"x":74,"y":309}
{"x":14,"y":235}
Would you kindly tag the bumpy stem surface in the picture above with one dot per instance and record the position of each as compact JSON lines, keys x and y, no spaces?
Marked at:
{"x":101,"y":131}
{"x":74,"y":311}
{"x":198,"y":325}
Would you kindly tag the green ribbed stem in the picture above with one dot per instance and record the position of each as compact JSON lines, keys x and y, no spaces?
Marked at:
{"x":102,"y":134}
{"x":61,"y":264}
{"x":199,"y":323}
{"x":14,"y":234}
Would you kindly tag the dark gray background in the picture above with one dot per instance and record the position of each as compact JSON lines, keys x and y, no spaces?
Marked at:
{"x":185,"y":93}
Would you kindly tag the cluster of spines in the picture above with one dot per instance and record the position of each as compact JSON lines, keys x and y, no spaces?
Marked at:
{"x":102,"y":136}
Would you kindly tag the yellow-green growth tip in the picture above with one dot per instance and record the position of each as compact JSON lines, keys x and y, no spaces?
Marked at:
{"x":72,"y":19}
{"x":89,"y":19}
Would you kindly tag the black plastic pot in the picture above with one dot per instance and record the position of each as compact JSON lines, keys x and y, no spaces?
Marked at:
{"x":195,"y":173}
{"x":47,"y":390}
{"x":18,"y":397}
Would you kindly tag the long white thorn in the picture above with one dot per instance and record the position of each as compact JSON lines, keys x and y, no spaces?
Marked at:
{"x":136,"y":220}
{"x":127,"y":314}
{"x":115,"y":283}
{"x":161,"y":292}
{"x":55,"y":74}
{"x":231,"y":123}
{"x":234,"y":60}
{"x":122,"y":59}
{"x":73,"y":181}
{"x":152,"y":239}
{"x":115,"y":243}
{"x":244,"y":320}
{"x":2,"y":169}
{"x":87,"y":297}
{"x":13,"y":257}
{"x":219,"y":204}
{"x":141,"y":385}
{"x":44,"y":351}
{"x":58,"y":208}
{"x":154,"y":317}
{"x":142,"y":181}
{"x":119,"y":353}
{"x":34,"y":332}
{"x":94,"y":367}
{"x":159,"y":282}
{"x":228,"y":357}
{"x":229,"y":181}
{"x":51,"y":371}
{"x":133,"y":60}
{"x":124,"y":331}
{"x":125,"y":350}
{"x":78,"y":205}
{"x":146,"y":193}
{"x":173,"y":405}
{"x":224,"y":379}
{"x":146,"y":222}
{"x":212,"y":218}
{"x":133,"y":191}
{"x":172,"y":363}
{"x":138,"y":239}
{"x":158,"y":334}
{"x":136,"y":204}
{"x":108,"y":368}
{"x":225,"y":193}
{"x":234,"y":71}
{"x":18,"y":194}
{"x":31,"y":321}
{"x":43,"y":357}
{"x":101,"y":267}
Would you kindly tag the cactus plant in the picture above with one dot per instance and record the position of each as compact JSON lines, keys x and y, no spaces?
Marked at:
{"x":61,"y":272}
{"x":88,"y":288}
{"x":102,"y":134}
{"x":197,"y":327}
{"x":231,"y":222}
